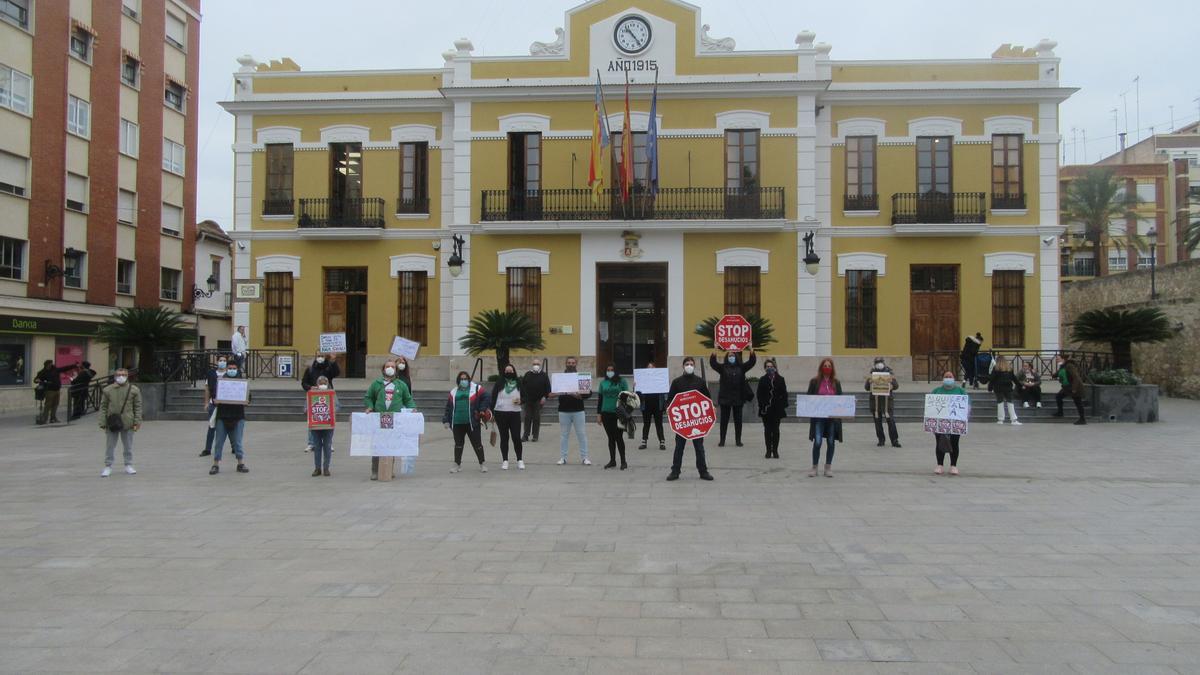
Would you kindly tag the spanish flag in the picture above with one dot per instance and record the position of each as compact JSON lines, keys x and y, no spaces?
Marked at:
{"x":626,"y":149}
{"x":600,"y":141}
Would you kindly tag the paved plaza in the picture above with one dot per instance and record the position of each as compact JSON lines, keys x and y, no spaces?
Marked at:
{"x":1059,"y":549}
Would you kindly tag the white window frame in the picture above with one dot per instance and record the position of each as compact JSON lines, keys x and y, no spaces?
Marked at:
{"x":9,"y":77}
{"x":173,"y":157}
{"x":22,"y":253}
{"x":81,"y":257}
{"x":79,"y":117}
{"x":131,"y":282}
{"x":167,"y":88}
{"x":132,"y":9}
{"x":88,"y":41}
{"x":181,"y":45}
{"x":171,"y":231}
{"x":84,"y":202}
{"x":132,"y":210}
{"x":162,"y":290}
{"x":11,"y":19}
{"x":128,"y":138}
{"x":18,"y":190}
{"x":136,"y":83}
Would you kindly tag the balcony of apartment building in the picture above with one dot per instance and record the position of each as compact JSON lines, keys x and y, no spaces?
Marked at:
{"x":668,"y":203}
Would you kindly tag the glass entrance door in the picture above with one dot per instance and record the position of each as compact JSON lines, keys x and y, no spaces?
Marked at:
{"x":631,"y":315}
{"x":634,"y":329}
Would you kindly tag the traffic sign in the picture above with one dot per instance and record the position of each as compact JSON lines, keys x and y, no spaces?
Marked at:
{"x":691,"y":414}
{"x":732,"y":333}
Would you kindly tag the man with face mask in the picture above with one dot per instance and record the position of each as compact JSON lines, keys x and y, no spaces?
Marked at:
{"x":732,"y":390}
{"x":570,"y":414}
{"x":884,"y":406}
{"x":689,"y":381}
{"x":323,"y":365}
{"x":388,"y":393}
{"x":210,"y":406}
{"x":120,"y":417}
{"x":535,"y":387}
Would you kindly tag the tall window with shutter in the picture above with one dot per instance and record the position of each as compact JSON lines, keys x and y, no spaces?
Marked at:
{"x":278,"y":287}
{"x":861,"y":327}
{"x":525,"y":292}
{"x":1008,"y":308}
{"x":742,"y":294}
{"x":414,"y":305}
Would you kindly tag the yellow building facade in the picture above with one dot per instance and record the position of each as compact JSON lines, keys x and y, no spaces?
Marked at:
{"x":929,"y":187}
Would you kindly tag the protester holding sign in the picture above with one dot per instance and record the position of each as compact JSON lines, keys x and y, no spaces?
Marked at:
{"x":606,"y":407}
{"x":733,"y":390}
{"x":535,"y":387}
{"x":687,"y":382}
{"x":322,"y":416}
{"x":210,"y":405}
{"x":772,"y":405}
{"x":506,"y":407}
{"x":652,"y":408}
{"x":883,"y":405}
{"x":570,"y":414}
{"x":323,"y":365}
{"x":230,"y":419}
{"x":827,"y":429}
{"x":388,"y":393}
{"x":466,"y":408}
{"x":947,"y":443}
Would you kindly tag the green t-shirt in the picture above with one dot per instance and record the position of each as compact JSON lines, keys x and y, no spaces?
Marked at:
{"x":609,"y":391}
{"x":940,"y":389}
{"x":462,"y":406}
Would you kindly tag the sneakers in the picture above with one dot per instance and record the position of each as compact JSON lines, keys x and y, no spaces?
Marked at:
{"x":482,"y":468}
{"x":587,"y":462}
{"x":316,"y":472}
{"x":999,"y":421}
{"x":896,"y":444}
{"x":938,"y":470}
{"x":308,"y":448}
{"x":456,"y":468}
{"x":241,"y":468}
{"x":1016,"y":422}
{"x":520,"y":464}
{"x":106,"y":472}
{"x":560,"y":462}
{"x":205,"y":453}
{"x":954,"y":471}
{"x":1025,"y":404}
{"x":642,"y":446}
{"x":706,"y":476}
{"x":674,"y":475}
{"x":1039,"y":404}
{"x":214,"y":470}
{"x":662,"y":446}
{"x":129,"y":470}
{"x":879,"y":444}
{"x":504,"y":465}
{"x":325,"y":473}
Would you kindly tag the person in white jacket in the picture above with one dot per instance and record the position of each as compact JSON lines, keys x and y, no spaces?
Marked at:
{"x":239,"y":346}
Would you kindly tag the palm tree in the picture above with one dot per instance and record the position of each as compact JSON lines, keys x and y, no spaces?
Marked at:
{"x":762,"y":333}
{"x":1122,"y":328}
{"x":1190,"y":224}
{"x":1094,"y":200}
{"x":502,"y":332}
{"x":147,"y":329}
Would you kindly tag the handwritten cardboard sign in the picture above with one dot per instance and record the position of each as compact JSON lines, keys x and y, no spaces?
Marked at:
{"x":823,"y":407}
{"x":571,"y":383}
{"x":652,"y":380}
{"x":233,"y":390}
{"x":386,"y":434}
{"x":947,"y":413}
{"x":332,"y":343}
{"x":881,"y":384}
{"x":405,"y":347}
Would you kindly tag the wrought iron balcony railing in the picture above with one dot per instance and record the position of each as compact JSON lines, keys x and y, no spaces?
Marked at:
{"x":412,"y":205}
{"x":277,"y":207}
{"x":667,"y":204}
{"x":357,"y":212}
{"x":1008,"y":201}
{"x":862,"y":202}
{"x":1080,"y":267}
{"x":939,"y":207}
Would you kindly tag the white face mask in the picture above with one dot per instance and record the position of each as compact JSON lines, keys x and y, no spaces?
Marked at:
{"x":121,"y":379}
{"x":320,"y":359}
{"x":949,"y":382}
{"x":401,"y":366}
{"x":322,"y":386}
{"x":389,"y":371}
{"x":879,"y":365}
{"x":609,"y":373}
{"x":689,"y":369}
{"x":537,"y":368}
{"x":231,"y":373}
{"x":220,"y":365}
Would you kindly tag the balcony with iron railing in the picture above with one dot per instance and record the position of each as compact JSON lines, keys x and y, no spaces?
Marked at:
{"x":909,"y":208}
{"x":860,"y":202}
{"x":412,"y":205}
{"x":277,"y":207}
{"x":766,"y":203}
{"x":1118,"y":264}
{"x":329,"y":213}
{"x":1008,"y":202}
{"x":1080,"y":267}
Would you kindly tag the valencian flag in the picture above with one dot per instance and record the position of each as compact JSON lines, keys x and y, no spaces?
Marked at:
{"x":600,"y":141}
{"x":652,"y":141}
{"x":626,"y":148}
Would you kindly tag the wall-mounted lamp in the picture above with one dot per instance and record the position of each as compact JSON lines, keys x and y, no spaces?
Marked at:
{"x":456,"y":261}
{"x":212,"y":288}
{"x":812,"y":262}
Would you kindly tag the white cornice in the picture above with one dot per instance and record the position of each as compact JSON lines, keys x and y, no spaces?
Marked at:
{"x":576,"y":226}
{"x":309,"y":106}
{"x":339,"y":233}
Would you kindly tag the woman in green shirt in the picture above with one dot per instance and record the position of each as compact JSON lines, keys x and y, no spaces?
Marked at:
{"x":610,"y":391}
{"x":387,"y":394}
{"x":947,"y":443}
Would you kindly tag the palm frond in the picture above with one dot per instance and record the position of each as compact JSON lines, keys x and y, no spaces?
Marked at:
{"x":1146,"y":324}
{"x":762,"y":332}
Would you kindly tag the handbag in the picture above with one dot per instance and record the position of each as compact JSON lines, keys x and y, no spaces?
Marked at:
{"x":114,"y":422}
{"x":747,"y":392}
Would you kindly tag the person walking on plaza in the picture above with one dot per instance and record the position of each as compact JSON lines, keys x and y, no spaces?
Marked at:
{"x":79,"y":390}
{"x":689,"y":381}
{"x":970,"y":351}
{"x":49,"y":380}
{"x":947,"y":444}
{"x":1029,"y":386}
{"x":323,"y":438}
{"x":772,"y":405}
{"x":1072,"y":385}
{"x":120,"y":417}
{"x":535,"y":387}
{"x":733,"y":390}
{"x":827,"y":429}
{"x":231,"y":424}
{"x":466,"y":409}
{"x":239,"y":346}
{"x":323,"y":365}
{"x":506,"y":408}
{"x":571,"y":415}
{"x":653,"y":406}
{"x":610,"y":390}
{"x":210,"y":406}
{"x":884,"y":406}
{"x":390,"y":394}
{"x":1003,"y":382}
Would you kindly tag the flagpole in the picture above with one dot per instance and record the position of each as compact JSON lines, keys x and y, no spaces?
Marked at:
{"x":605,"y":131}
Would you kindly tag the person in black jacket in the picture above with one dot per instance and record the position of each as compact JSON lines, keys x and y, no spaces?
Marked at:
{"x":653,"y":406}
{"x":689,"y":381}
{"x":79,"y":389}
{"x":231,"y":424}
{"x":884,"y":406}
{"x":505,"y":404}
{"x":1002,"y":382}
{"x":970,"y":350}
{"x":323,"y":365}
{"x":772,"y":405}
{"x":535,"y":387}
{"x":827,"y":429}
{"x":733,"y":390}
{"x":49,"y":380}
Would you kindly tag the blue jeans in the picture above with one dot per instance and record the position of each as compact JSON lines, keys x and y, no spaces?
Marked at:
{"x":322,"y":447}
{"x":823,"y":429}
{"x":566,"y":420}
{"x":208,"y":438}
{"x":235,"y":440}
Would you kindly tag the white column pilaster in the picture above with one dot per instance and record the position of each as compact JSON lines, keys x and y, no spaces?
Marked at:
{"x":242,"y":186}
{"x":460,"y":292}
{"x":806,"y":216}
{"x":1048,"y":223}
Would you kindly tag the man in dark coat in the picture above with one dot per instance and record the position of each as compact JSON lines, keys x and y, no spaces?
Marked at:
{"x":733,"y":390}
{"x":689,"y":381}
{"x":79,"y":389}
{"x":535,"y":387}
{"x":772,"y":405}
{"x":323,"y":365}
{"x":970,"y":350}
{"x":1072,"y":385}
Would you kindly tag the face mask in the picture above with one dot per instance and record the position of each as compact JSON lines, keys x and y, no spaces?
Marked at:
{"x":689,"y":369}
{"x":221,"y":365}
{"x":731,"y":359}
{"x":948,"y":382}
{"x":401,"y":366}
{"x":609,"y":373}
{"x":463,"y":383}
{"x":879,"y":365}
{"x":770,"y":370}
{"x":389,"y":371}
{"x":320,"y":359}
{"x":826,"y":370}
{"x":537,"y":368}
{"x":510,"y":375}
{"x":121,"y":379}
{"x":232,"y":372}
{"x":322,"y":387}
{"x":570,"y":367}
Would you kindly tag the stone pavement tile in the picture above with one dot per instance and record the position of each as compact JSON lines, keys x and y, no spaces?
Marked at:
{"x":555,"y":625}
{"x":567,"y":593}
{"x":640,"y":627}
{"x":680,"y":648}
{"x":457,"y":623}
{"x":842,"y":650}
{"x":681,"y":610}
{"x":591,"y":645}
{"x":364,"y":663}
{"x":64,"y":637}
{"x":238,"y":620}
{"x":841,"y":612}
{"x":155,"y":619}
{"x":888,"y":650}
{"x":75,"y":659}
{"x":826,"y":668}
{"x":809,"y":628}
{"x":1020,"y":668}
{"x":718,"y":595}
{"x":1001,"y":630}
{"x":992,"y":612}
{"x":1150,"y":653}
{"x":445,"y":664}
{"x":896,"y":630}
{"x":777,"y":649}
{"x":723,"y":628}
{"x":1127,"y":669}
{"x":512,"y":664}
{"x":680,"y":581}
{"x":915,"y":612}
{"x":642,"y":594}
{"x":605,"y":665}
{"x":959,"y":651}
{"x":759,"y":610}
{"x":743,"y":667}
{"x":315,"y":621}
{"x":925,"y":669}
{"x":1053,"y":652}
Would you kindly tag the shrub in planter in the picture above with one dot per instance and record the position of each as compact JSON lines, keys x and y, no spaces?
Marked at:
{"x":1122,"y":328}
{"x":1116,"y":376}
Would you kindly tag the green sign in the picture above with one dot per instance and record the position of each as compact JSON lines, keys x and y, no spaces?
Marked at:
{"x":30,"y":325}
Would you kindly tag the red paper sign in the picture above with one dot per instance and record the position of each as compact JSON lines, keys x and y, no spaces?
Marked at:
{"x":691,"y":414}
{"x":321,"y":410}
{"x":732,"y":333}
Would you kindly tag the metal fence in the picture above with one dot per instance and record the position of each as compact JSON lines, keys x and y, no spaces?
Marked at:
{"x":1044,"y":362}
{"x":193,"y":365}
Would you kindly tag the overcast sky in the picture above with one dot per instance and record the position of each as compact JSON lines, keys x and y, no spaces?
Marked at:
{"x":1103,"y":45}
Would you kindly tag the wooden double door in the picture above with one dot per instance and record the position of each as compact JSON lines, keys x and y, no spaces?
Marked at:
{"x":346,"y":312}
{"x":933,"y":308}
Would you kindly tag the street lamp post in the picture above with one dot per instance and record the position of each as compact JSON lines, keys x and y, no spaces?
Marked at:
{"x":1153,"y":235}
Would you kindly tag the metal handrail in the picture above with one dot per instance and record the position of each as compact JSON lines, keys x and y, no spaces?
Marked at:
{"x":1044,"y":361}
{"x":910,"y":208}
{"x":353,"y":212}
{"x":193,"y":365}
{"x":755,"y":203}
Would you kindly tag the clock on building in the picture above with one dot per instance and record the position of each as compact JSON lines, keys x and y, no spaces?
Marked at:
{"x":632,"y":34}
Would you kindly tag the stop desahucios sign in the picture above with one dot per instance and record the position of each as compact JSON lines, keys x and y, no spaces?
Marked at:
{"x":732,"y":333}
{"x":691,"y":414}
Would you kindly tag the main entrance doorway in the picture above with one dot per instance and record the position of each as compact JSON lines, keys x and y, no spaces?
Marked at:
{"x":346,"y":312}
{"x":933,"y":309}
{"x":631,"y":315}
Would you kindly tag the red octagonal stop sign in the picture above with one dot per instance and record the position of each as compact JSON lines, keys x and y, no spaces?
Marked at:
{"x":732,"y":333}
{"x":691,"y":414}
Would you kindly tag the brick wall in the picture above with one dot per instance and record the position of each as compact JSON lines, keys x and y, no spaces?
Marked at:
{"x":1173,"y":365}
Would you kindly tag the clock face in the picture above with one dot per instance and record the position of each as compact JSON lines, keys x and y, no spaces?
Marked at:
{"x":632,"y":34}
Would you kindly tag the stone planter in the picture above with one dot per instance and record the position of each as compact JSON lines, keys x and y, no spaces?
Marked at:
{"x":1124,"y":403}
